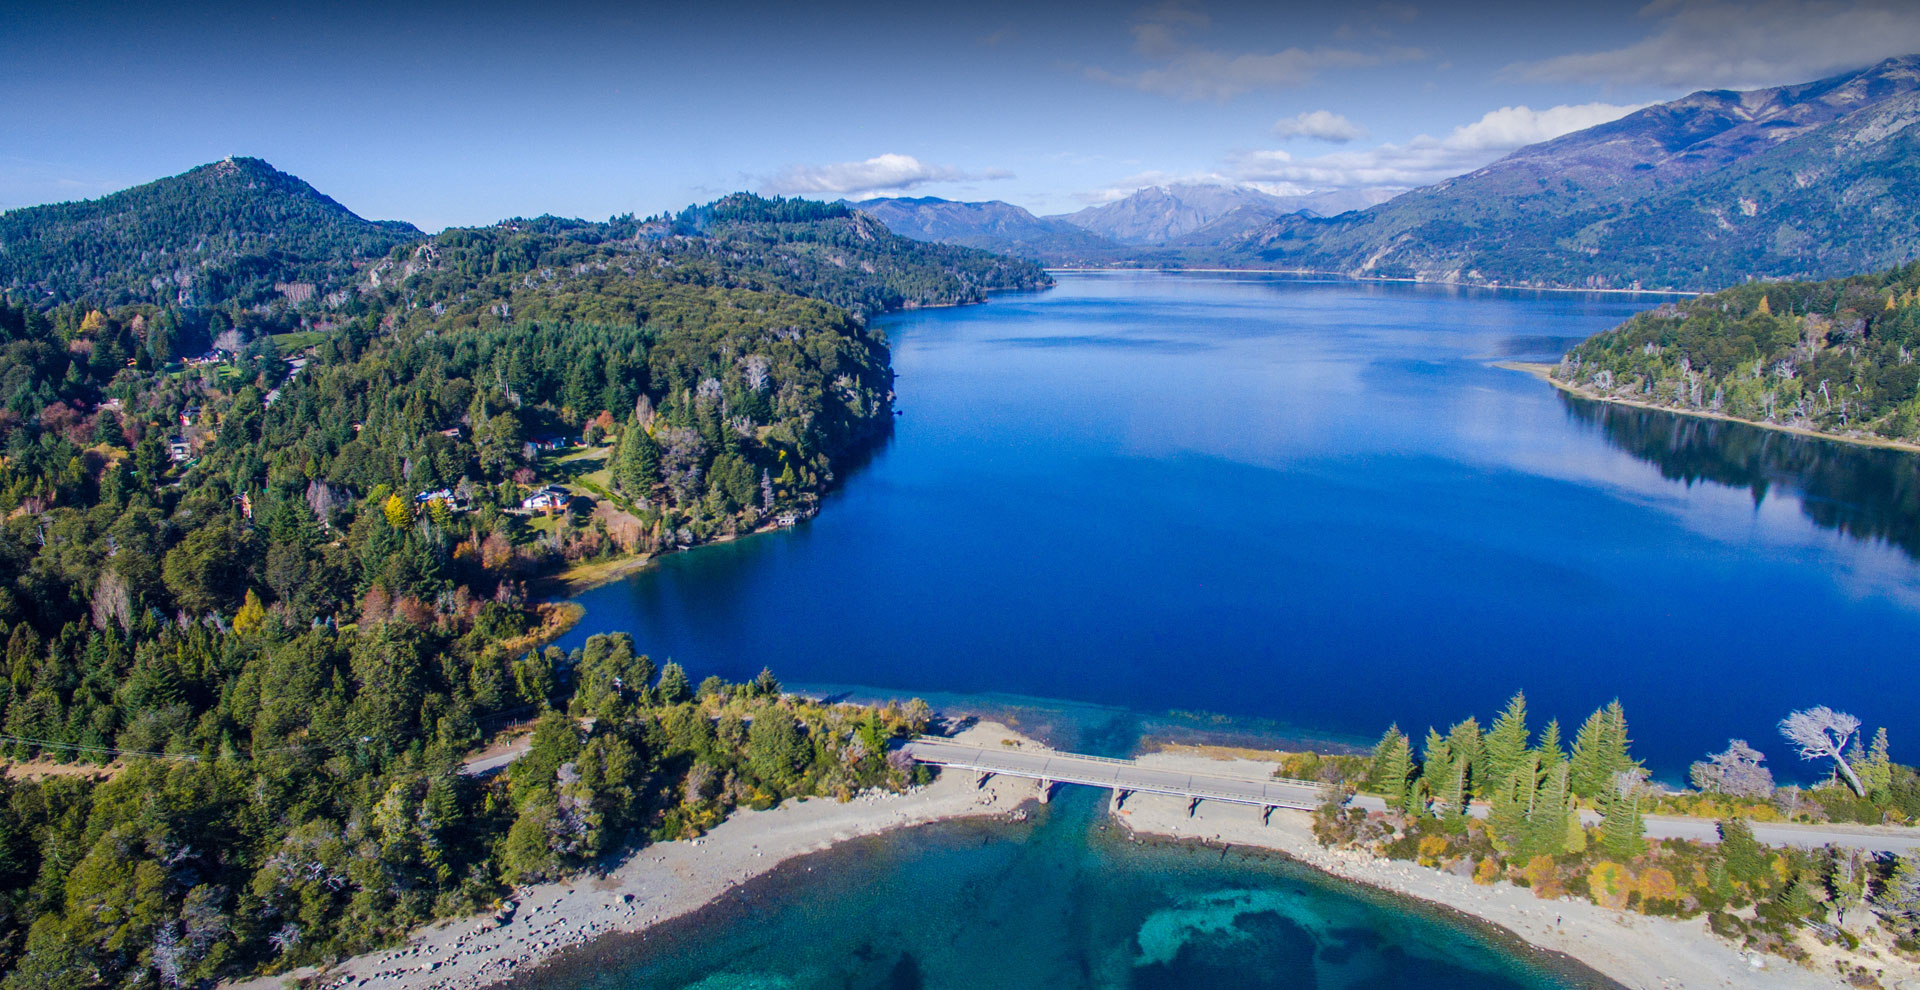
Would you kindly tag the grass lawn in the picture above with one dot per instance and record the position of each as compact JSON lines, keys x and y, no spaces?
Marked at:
{"x":587,"y":454}
{"x":291,"y":343}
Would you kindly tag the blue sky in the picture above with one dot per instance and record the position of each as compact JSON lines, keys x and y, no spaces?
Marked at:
{"x":448,"y":115}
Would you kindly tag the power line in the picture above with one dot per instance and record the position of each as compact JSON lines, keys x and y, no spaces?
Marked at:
{"x":50,"y":744}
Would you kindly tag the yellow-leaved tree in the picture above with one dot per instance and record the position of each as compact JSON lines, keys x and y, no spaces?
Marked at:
{"x":251,"y":614}
{"x":399,"y":513}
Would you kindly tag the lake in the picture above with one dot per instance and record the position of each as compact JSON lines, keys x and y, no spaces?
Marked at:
{"x":1314,"y":507}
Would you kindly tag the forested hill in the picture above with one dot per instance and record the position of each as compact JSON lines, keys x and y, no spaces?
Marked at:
{"x":820,"y":250}
{"x":282,"y":586}
{"x":1836,"y":356}
{"x":237,"y":231}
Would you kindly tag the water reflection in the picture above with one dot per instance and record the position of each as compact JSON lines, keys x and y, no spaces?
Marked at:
{"x":1867,"y":493}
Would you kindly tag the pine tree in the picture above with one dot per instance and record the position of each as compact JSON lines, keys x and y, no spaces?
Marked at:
{"x":1600,"y":752}
{"x":1546,"y":833}
{"x":1506,"y":744}
{"x":1513,"y":802}
{"x":1469,"y":754}
{"x":1436,"y":768}
{"x":1899,"y":900}
{"x":1621,"y":829}
{"x":636,"y":463}
{"x":1549,"y":746}
{"x":674,"y":687}
{"x":1746,"y":859}
{"x":1391,"y":766}
{"x":1876,"y":769}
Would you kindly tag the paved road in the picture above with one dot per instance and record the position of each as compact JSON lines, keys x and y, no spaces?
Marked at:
{"x":1126,"y":775}
{"x":481,"y":766}
{"x":1883,"y":838}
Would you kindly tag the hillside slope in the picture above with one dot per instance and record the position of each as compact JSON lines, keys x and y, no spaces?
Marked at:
{"x":235,"y":230}
{"x":1813,"y":180}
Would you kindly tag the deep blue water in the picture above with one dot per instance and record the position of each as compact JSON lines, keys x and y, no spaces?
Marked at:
{"x":1316,"y":503}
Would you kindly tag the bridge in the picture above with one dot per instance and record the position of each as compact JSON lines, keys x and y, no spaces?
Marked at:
{"x":1123,"y":777}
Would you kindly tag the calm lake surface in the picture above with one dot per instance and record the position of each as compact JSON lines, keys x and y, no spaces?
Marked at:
{"x":1316,"y":503}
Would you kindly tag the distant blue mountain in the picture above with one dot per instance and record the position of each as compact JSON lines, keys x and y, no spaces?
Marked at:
{"x":994,"y":226}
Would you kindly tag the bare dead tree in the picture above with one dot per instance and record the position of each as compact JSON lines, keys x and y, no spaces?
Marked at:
{"x":1737,"y":771}
{"x":757,"y":371}
{"x":112,"y":601}
{"x":1822,"y":733}
{"x":1630,"y":782}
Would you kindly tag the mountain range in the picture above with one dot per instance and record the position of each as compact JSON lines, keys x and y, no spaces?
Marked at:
{"x":1812,"y":180}
{"x":1205,"y":214}
{"x":1135,"y":228}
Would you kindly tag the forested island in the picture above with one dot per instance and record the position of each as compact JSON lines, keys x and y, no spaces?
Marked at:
{"x":1834,"y":357}
{"x":276,"y":480}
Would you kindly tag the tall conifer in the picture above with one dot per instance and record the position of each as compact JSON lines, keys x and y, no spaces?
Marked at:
{"x":1621,"y":827}
{"x":1391,"y":766}
{"x":1436,"y":767}
{"x":1506,"y":744}
{"x":1600,"y":751}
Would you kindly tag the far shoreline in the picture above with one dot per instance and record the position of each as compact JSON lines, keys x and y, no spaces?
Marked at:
{"x":1343,"y":276}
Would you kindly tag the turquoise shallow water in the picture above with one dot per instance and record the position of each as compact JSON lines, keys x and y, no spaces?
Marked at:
{"x":1063,"y":903}
{"x":1317,"y":504}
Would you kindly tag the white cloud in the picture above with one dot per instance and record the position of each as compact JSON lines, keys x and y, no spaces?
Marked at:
{"x":1743,"y":44}
{"x":1191,"y":72}
{"x":889,"y":173}
{"x":1427,"y":159}
{"x":1320,"y":125}
{"x":1515,"y":127}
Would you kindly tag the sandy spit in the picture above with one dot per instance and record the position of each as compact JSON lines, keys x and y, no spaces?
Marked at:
{"x":657,"y":883}
{"x":1634,"y":950}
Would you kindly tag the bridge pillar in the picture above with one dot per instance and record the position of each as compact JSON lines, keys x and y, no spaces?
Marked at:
{"x":1266,"y":814}
{"x":1192,"y":806}
{"x":1046,"y":790}
{"x":982,"y":782}
{"x":1120,"y":796}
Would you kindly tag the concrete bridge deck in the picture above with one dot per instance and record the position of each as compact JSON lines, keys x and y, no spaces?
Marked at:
{"x":1122,"y":776}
